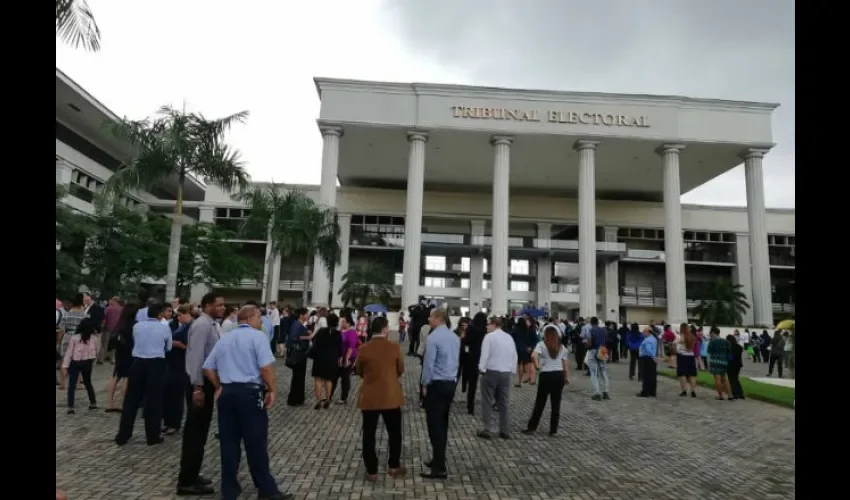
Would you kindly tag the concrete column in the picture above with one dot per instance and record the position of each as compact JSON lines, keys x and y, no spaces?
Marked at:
{"x":267,"y":267}
{"x":342,"y":268}
{"x":612,"y":282}
{"x":413,"y":219}
{"x":674,"y":246}
{"x":501,"y":222}
{"x":274,"y":280}
{"x":587,"y":226}
{"x":544,"y":270}
{"x":327,"y":198}
{"x":206,"y":214}
{"x":759,"y":260}
{"x":64,"y":171}
{"x":197,"y":292}
{"x":476,"y":271}
{"x":742,"y":274}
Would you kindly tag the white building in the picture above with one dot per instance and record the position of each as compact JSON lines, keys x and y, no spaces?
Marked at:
{"x":496,"y":198}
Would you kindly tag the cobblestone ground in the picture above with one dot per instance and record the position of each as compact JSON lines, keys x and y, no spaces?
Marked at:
{"x":625,"y":448}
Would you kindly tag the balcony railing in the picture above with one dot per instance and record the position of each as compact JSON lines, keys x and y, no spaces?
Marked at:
{"x":704,"y":256}
{"x":443,"y":238}
{"x":486,"y":241}
{"x":369,"y":239}
{"x":546,"y":244}
{"x":638,"y":254}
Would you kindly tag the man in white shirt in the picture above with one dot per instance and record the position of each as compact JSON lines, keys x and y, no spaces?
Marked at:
{"x":498,"y":360}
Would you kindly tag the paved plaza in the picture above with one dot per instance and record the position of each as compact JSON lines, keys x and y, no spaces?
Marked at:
{"x":625,"y":448}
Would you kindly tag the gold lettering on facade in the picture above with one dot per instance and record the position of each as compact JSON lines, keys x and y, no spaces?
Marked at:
{"x":552,"y":116}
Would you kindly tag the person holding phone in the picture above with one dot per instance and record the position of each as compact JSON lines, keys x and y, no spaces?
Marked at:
{"x":241,"y":368}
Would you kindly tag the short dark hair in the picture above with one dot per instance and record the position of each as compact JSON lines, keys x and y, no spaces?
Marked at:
{"x":155,"y":310}
{"x":594,"y":321}
{"x":715,"y":330}
{"x":301,"y":311}
{"x":333,"y":321}
{"x":208,"y":299}
{"x":378,"y":324}
{"x":252,"y":303}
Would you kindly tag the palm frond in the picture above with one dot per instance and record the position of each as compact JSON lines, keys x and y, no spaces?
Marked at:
{"x":76,"y":26}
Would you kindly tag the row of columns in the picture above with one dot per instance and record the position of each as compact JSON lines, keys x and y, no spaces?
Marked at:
{"x":673,"y":241}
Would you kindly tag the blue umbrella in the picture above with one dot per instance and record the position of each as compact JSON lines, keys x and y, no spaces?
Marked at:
{"x":375,"y":308}
{"x":533,"y":312}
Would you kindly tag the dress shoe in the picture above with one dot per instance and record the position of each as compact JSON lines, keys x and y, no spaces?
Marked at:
{"x":434,"y":475}
{"x":504,"y":435}
{"x":195,"y":490}
{"x":398,"y":471}
{"x":159,"y":440}
{"x":371,"y":477}
{"x":203,"y":480}
{"x":276,"y":496}
{"x":484,"y":434}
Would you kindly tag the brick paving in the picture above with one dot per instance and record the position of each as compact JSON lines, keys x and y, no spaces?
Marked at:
{"x":625,"y":448}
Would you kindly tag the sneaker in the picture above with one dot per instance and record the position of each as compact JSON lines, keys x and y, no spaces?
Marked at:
{"x":693,"y":394}
{"x":596,"y":397}
{"x":683,"y":394}
{"x":605,"y":395}
{"x":71,"y":411}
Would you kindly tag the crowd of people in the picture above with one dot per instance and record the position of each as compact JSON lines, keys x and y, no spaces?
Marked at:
{"x":171,"y":359}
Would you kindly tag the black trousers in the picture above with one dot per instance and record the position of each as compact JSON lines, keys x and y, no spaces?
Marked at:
{"x":580,"y":351}
{"x":145,"y":384}
{"x":80,"y":368}
{"x":733,"y":375}
{"x":297,"y":387}
{"x":613,"y":352}
{"x":414,"y":343}
{"x":471,"y":378}
{"x":777,"y":360}
{"x":650,"y":373}
{"x":438,"y":402}
{"x":765,"y":354}
{"x":175,"y":397}
{"x":624,"y":350}
{"x":344,"y":381}
{"x":242,"y":419}
{"x":461,"y":373}
{"x":392,"y":421}
{"x":635,"y":363}
{"x":549,"y":385}
{"x":195,"y":436}
{"x":275,"y":338}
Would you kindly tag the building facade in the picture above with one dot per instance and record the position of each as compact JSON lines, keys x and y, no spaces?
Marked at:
{"x":495,"y":199}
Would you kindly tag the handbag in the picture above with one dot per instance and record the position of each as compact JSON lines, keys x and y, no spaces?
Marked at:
{"x":602,"y":354}
{"x":295,"y":356}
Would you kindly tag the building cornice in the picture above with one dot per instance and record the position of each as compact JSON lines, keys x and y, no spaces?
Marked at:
{"x":472,"y":92}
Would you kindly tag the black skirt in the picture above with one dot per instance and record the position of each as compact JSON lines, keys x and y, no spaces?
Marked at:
{"x":325,"y":369}
{"x":686,"y":366}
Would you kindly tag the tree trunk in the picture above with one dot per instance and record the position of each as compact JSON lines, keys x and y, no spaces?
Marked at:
{"x":174,"y":245}
{"x":304,"y":298}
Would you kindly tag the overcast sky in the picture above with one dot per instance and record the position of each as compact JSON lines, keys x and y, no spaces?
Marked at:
{"x":220,"y":56}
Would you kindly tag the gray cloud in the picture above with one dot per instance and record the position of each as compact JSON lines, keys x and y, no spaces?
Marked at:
{"x":723,"y":49}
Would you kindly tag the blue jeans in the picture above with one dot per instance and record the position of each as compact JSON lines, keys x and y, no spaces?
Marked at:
{"x":598,"y":369}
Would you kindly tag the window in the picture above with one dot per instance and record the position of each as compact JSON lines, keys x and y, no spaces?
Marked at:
{"x":519,"y":267}
{"x":435,"y":263}
{"x":399,"y":279}
{"x":519,"y":286}
{"x":435,"y":282}
{"x":465,"y":264}
{"x":486,"y":266}
{"x":464,"y":282}
{"x":485,"y":285}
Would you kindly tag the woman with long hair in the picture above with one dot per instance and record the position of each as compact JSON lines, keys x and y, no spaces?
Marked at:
{"x":80,"y":354}
{"x":325,"y":354}
{"x":471,"y":343}
{"x":551,"y":358}
{"x":718,"y":362}
{"x":736,"y":362}
{"x":686,"y":361}
{"x":121,"y":342}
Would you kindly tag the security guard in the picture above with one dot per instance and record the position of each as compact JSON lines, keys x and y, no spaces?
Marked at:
{"x":241,"y":367}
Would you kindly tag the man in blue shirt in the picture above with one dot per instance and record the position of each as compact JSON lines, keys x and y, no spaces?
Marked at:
{"x":151,"y":340}
{"x":597,"y":362}
{"x":241,"y":367}
{"x":439,"y":378}
{"x":646,"y":353}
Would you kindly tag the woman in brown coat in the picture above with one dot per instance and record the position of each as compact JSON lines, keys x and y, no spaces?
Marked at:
{"x":380,"y":364}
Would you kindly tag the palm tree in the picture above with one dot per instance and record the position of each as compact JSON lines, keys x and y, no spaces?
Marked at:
{"x":367,"y":283}
{"x":75,"y":25}
{"x":174,"y":146}
{"x":723,"y":304}
{"x":297,"y":228}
